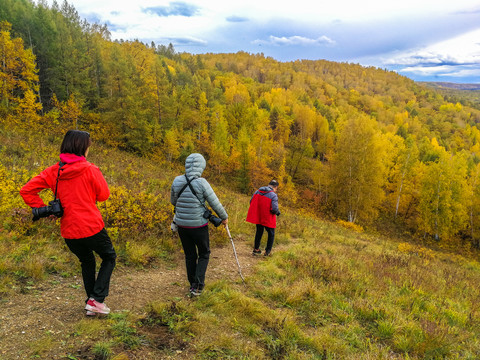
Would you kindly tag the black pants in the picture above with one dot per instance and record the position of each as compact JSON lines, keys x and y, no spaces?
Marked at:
{"x":96,"y":288}
{"x":258,"y":237}
{"x":196,"y":246}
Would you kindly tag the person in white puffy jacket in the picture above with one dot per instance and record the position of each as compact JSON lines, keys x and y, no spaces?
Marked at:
{"x":189,"y":217}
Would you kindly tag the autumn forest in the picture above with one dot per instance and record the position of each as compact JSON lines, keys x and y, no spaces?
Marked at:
{"x":346,"y":142}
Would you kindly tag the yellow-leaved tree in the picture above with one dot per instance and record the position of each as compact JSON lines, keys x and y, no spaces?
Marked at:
{"x":443,"y":195}
{"x":220,"y":144}
{"x":474,"y":206}
{"x":402,"y":175}
{"x":171,"y":146}
{"x":358,"y":168}
{"x":18,"y":78}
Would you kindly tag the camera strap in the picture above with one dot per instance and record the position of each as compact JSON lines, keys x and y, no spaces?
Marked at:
{"x":60,"y":164}
{"x":194,"y":192}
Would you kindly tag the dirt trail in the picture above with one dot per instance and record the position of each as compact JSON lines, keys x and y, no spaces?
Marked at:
{"x":51,"y":309}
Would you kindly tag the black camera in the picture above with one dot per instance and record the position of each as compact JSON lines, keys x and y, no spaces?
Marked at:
{"x":54,"y":208}
{"x":216,"y":221}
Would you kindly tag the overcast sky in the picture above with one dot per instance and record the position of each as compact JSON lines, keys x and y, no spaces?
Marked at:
{"x":433,"y":40}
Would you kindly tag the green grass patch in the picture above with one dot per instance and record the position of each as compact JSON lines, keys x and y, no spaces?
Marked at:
{"x":344,"y":295}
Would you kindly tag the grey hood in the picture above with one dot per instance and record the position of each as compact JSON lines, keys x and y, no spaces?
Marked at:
{"x":195,"y":165}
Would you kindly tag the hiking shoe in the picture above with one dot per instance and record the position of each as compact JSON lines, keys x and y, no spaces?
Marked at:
{"x":266,"y":253}
{"x":96,"y":307}
{"x":195,"y":291}
{"x":257,"y":252}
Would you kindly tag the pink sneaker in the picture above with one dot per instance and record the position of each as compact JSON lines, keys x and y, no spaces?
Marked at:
{"x":96,"y":307}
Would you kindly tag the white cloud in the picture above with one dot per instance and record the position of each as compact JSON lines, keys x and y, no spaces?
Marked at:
{"x":464,"y":49}
{"x":352,"y":30}
{"x":187,"y":40}
{"x":215,"y":12}
{"x":443,"y":71}
{"x":456,"y":58}
{"x":294,"y":40}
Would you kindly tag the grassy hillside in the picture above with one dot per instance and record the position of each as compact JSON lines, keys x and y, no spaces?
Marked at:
{"x":334,"y":293}
{"x":328,"y":292}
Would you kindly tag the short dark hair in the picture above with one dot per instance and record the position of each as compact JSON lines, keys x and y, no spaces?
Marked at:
{"x":273,"y":183}
{"x":75,"y":142}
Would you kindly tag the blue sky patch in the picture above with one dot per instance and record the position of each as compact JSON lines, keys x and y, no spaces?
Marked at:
{"x":236,"y":19}
{"x":176,"y":8}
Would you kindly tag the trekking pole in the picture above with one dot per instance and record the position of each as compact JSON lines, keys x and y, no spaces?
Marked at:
{"x":235,"y":253}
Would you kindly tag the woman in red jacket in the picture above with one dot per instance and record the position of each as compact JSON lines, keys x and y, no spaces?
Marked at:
{"x":80,"y":186}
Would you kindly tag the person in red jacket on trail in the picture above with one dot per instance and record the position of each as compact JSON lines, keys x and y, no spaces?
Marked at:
{"x":80,"y":185}
{"x":263,"y":212}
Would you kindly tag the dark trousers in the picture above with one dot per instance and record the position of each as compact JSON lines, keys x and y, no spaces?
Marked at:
{"x":96,"y":288}
{"x":258,"y":237}
{"x":196,"y":246}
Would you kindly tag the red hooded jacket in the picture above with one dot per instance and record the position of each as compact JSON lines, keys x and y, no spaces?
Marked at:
{"x":263,"y":208}
{"x":80,"y":185}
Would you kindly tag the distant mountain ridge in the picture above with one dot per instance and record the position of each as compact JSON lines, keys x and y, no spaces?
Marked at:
{"x":449,"y":85}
